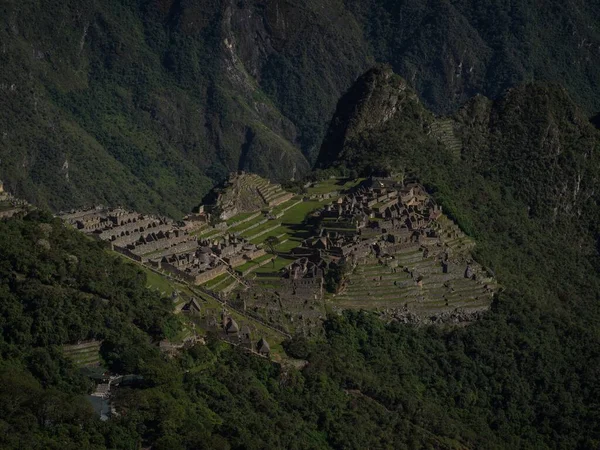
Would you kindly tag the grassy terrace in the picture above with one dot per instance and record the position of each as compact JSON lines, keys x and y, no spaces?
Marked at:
{"x":289,"y":228}
{"x":215,"y":281}
{"x":244,"y":226}
{"x":87,"y":355}
{"x":279,"y":232}
{"x":156,"y":281}
{"x":374,"y":286}
{"x":334,"y":184}
{"x":239,"y":217}
{"x":207,"y":233}
{"x":263,"y":227}
{"x":285,"y":205}
{"x":278,"y":264}
{"x":296,"y":215}
{"x":254,"y":262}
{"x":5,"y":206}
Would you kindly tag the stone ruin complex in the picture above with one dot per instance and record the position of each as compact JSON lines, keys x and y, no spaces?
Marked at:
{"x":162,"y":244}
{"x":399,"y":245}
{"x":11,"y":206}
{"x":399,"y":253}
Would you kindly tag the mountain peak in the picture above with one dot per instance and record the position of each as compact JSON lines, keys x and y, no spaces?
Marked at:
{"x":376,"y":97}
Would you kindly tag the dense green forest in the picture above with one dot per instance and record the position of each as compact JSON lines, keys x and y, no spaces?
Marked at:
{"x":149,"y":103}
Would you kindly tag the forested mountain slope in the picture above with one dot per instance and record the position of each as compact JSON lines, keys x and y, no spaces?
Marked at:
{"x":533,"y":143}
{"x":520,"y":174}
{"x":150,"y":103}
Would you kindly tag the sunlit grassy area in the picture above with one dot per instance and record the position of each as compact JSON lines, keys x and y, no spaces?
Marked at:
{"x":246,"y":225}
{"x":296,"y":215}
{"x":238,"y":217}
{"x":154,"y":280}
{"x":279,"y":263}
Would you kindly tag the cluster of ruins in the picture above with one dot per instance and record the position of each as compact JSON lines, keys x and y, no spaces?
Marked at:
{"x":378,"y":211}
{"x":11,"y":206}
{"x":244,"y":192}
{"x":164,"y":244}
{"x":385,"y":225}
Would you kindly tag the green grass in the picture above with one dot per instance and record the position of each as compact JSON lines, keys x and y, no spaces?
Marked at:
{"x":156,"y":281}
{"x":276,"y":232}
{"x":288,"y":245}
{"x":265,"y":226}
{"x":246,"y":266}
{"x":245,"y":225}
{"x":331,"y":185}
{"x":280,"y":263}
{"x":297,"y":214}
{"x":203,"y":229}
{"x":239,"y":217}
{"x":209,"y":284}
{"x":207,"y":233}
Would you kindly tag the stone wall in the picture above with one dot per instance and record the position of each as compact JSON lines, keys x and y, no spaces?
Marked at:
{"x":127,"y":253}
{"x":192,"y":244}
{"x":210,"y":274}
{"x":160,"y":244}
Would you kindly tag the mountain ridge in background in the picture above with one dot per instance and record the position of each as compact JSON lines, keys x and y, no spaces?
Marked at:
{"x":150,"y":103}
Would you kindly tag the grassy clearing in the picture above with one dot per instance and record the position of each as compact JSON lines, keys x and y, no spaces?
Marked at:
{"x":296,"y":215}
{"x":156,"y":281}
{"x":334,"y":184}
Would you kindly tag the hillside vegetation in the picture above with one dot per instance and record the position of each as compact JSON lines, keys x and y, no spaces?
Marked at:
{"x":521,"y":181}
{"x":150,"y":103}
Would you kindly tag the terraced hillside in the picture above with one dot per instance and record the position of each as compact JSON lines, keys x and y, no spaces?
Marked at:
{"x":85,"y":354}
{"x":435,"y":278}
{"x":444,"y":131}
{"x":420,"y":280}
{"x":426,"y":269}
{"x":244,"y":193}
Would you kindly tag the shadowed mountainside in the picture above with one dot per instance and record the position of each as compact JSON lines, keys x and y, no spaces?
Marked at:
{"x":150,"y":103}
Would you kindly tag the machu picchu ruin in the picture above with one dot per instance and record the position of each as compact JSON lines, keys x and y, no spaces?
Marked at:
{"x":269,"y":254}
{"x":10,"y":206}
{"x":245,"y":192}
